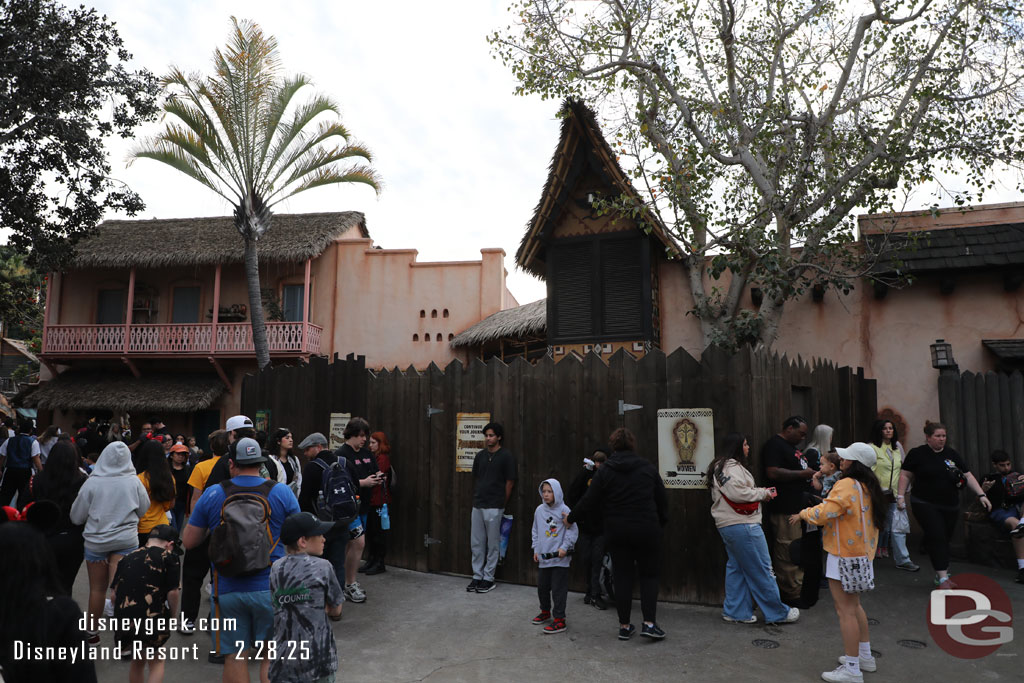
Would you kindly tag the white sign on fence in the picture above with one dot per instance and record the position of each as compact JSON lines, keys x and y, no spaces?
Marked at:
{"x":469,"y":438}
{"x":338,"y":423}
{"x":686,"y":446}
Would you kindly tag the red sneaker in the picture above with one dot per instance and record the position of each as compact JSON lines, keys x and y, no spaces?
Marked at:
{"x":556,"y":626}
{"x":542,"y":617}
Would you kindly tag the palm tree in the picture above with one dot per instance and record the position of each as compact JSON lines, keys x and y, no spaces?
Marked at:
{"x":238,"y":133}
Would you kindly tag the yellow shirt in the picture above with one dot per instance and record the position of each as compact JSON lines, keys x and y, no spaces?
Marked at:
{"x":888,"y":462}
{"x":201,"y":472}
{"x":843,"y":534}
{"x":157,"y":512}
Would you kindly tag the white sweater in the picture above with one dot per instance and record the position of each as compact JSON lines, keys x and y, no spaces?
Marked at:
{"x":737,"y":483}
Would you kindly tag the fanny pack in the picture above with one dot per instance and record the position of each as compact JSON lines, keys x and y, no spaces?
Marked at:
{"x":742,"y":508}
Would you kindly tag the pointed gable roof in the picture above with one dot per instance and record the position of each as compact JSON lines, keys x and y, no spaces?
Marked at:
{"x":581,"y":148}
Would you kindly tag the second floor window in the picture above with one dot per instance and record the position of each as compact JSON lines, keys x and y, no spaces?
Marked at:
{"x":185,"y":305}
{"x":291,"y":302}
{"x":110,"y":307}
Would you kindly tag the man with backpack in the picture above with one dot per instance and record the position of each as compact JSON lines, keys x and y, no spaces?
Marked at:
{"x":17,"y":457}
{"x":243,"y":516}
{"x":329,"y":492}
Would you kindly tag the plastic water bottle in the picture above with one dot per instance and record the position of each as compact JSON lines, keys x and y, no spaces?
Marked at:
{"x":385,"y":520}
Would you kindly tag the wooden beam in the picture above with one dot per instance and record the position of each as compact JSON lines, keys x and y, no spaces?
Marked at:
{"x":220,"y":372}
{"x":46,"y":310}
{"x":131,"y":366}
{"x":130,"y":305}
{"x":305,"y":304}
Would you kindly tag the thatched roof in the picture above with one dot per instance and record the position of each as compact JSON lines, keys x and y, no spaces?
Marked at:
{"x":204,"y":241}
{"x":522,"y":321}
{"x":105,"y":390}
{"x":580,"y":134}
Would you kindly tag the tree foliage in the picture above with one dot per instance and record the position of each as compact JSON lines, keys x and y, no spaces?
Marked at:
{"x":756,"y":127}
{"x":66,"y":91}
{"x":243,"y":134}
{"x":21,"y":304}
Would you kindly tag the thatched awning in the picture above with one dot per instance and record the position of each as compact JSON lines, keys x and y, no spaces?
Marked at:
{"x":515,"y":323}
{"x":94,"y":390}
{"x":205,"y":241}
{"x":580,"y":133}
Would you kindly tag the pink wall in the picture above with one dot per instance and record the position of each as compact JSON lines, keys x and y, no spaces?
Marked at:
{"x":889,"y":337}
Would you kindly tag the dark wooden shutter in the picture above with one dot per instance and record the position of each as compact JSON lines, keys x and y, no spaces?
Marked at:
{"x":573,"y":290}
{"x":186,"y":305}
{"x":622,"y":286}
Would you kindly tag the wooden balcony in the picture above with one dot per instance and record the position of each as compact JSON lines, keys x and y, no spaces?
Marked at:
{"x":224,"y":340}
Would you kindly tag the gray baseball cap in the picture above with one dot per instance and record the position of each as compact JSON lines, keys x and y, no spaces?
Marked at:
{"x":247,"y":452}
{"x":314,"y":439}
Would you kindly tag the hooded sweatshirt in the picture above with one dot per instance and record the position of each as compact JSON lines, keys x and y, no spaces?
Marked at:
{"x":111,"y":502}
{"x":549,"y":531}
{"x":631,"y":494}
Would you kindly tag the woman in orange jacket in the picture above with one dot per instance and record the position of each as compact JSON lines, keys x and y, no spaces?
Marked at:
{"x":851,"y":516}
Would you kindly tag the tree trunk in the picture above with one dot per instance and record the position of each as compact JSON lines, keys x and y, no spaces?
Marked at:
{"x":259,"y":325}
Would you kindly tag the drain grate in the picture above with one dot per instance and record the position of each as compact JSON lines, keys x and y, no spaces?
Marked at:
{"x":765,"y":643}
{"x":873,"y":622}
{"x":912,"y":644}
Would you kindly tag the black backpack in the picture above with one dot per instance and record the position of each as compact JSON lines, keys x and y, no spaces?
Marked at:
{"x":241,"y":544}
{"x":19,"y":452}
{"x":337,"y":500}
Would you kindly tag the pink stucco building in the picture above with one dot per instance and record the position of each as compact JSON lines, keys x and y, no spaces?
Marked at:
{"x":151,"y":316}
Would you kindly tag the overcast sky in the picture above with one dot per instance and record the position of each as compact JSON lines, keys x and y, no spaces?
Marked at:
{"x":463,"y":159}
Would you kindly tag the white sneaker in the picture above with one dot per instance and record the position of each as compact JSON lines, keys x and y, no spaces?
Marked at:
{"x":751,"y":620}
{"x":866,"y":663}
{"x":354,"y":593}
{"x":791,"y":616}
{"x":842,"y":675}
{"x":108,"y":608}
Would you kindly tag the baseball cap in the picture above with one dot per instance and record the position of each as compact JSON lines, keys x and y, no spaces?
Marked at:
{"x":859,"y":451}
{"x":247,"y":452}
{"x":179,"y":448}
{"x":237,"y":422}
{"x":303,"y":524}
{"x":314,"y":439}
{"x":166,"y":532}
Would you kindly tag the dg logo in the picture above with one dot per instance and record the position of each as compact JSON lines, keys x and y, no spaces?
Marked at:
{"x":972,"y":620}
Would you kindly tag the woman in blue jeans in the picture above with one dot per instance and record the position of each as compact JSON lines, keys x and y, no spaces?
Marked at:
{"x":736,"y":509}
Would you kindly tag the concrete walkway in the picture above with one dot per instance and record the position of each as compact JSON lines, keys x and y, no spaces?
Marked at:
{"x":425,"y":627}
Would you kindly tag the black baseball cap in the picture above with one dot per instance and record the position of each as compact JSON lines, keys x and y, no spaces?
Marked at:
{"x":303,"y":524}
{"x":166,"y":532}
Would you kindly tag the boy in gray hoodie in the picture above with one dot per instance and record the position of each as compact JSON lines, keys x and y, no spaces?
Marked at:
{"x":109,"y":504}
{"x":553,"y":540}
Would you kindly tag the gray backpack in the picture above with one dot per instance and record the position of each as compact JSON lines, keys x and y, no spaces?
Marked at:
{"x":241,"y":544}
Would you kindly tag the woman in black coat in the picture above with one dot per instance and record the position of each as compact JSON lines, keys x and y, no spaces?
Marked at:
{"x":630,"y":495}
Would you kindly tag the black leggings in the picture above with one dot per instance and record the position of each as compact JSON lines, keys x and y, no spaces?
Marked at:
{"x":376,"y":538}
{"x":69,"y":552}
{"x":938,"y":523}
{"x":193,"y":571}
{"x":642,"y":554}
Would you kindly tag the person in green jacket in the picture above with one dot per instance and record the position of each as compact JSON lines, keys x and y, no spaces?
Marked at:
{"x":889,"y":453}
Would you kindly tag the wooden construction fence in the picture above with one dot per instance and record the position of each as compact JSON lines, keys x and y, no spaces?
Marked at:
{"x":554,"y":414}
{"x":983,"y":412}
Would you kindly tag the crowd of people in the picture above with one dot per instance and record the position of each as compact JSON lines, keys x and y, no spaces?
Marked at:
{"x":281,"y":530}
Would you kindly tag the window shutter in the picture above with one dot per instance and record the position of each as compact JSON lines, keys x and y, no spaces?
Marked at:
{"x":622,"y":285}
{"x":110,"y":307}
{"x":292,"y":304}
{"x":573,"y":291}
{"x":186,"y":305}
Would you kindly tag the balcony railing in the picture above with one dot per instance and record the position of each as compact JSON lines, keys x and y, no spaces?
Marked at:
{"x":232,"y":339}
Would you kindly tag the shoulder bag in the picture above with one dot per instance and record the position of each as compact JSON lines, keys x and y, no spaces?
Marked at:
{"x":855,"y":572}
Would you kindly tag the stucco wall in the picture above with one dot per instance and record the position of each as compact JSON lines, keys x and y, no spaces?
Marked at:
{"x":888,"y":337}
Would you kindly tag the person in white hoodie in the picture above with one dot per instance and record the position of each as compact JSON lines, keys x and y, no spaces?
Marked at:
{"x":553,"y":540}
{"x":736,"y":509}
{"x":109,"y":504}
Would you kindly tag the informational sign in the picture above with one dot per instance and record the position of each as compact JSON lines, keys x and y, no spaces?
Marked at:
{"x":686,"y":446}
{"x":261,"y":423}
{"x":469,"y":438}
{"x":338,"y":423}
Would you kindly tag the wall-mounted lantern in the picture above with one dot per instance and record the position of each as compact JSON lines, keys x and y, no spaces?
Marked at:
{"x":942,"y":355}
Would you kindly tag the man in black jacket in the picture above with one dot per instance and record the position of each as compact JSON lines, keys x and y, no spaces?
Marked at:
{"x":1006,"y":508}
{"x":590,"y":544}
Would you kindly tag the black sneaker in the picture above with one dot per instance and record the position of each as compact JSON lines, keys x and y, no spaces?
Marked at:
{"x":598,"y":602}
{"x":586,"y":599}
{"x":485,"y":587}
{"x":1017,"y":531}
{"x":627,"y":633}
{"x":652,"y":631}
{"x":187,"y":627}
{"x":215,"y":658}
{"x":471,"y":588}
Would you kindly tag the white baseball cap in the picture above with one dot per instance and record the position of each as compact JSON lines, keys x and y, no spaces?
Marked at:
{"x":859,"y":451}
{"x":238,"y":422}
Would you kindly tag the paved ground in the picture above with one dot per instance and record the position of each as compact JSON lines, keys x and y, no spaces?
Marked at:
{"x":425,"y":627}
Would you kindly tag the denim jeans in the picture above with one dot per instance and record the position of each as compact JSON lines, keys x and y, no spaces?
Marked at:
{"x":748,"y":574}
